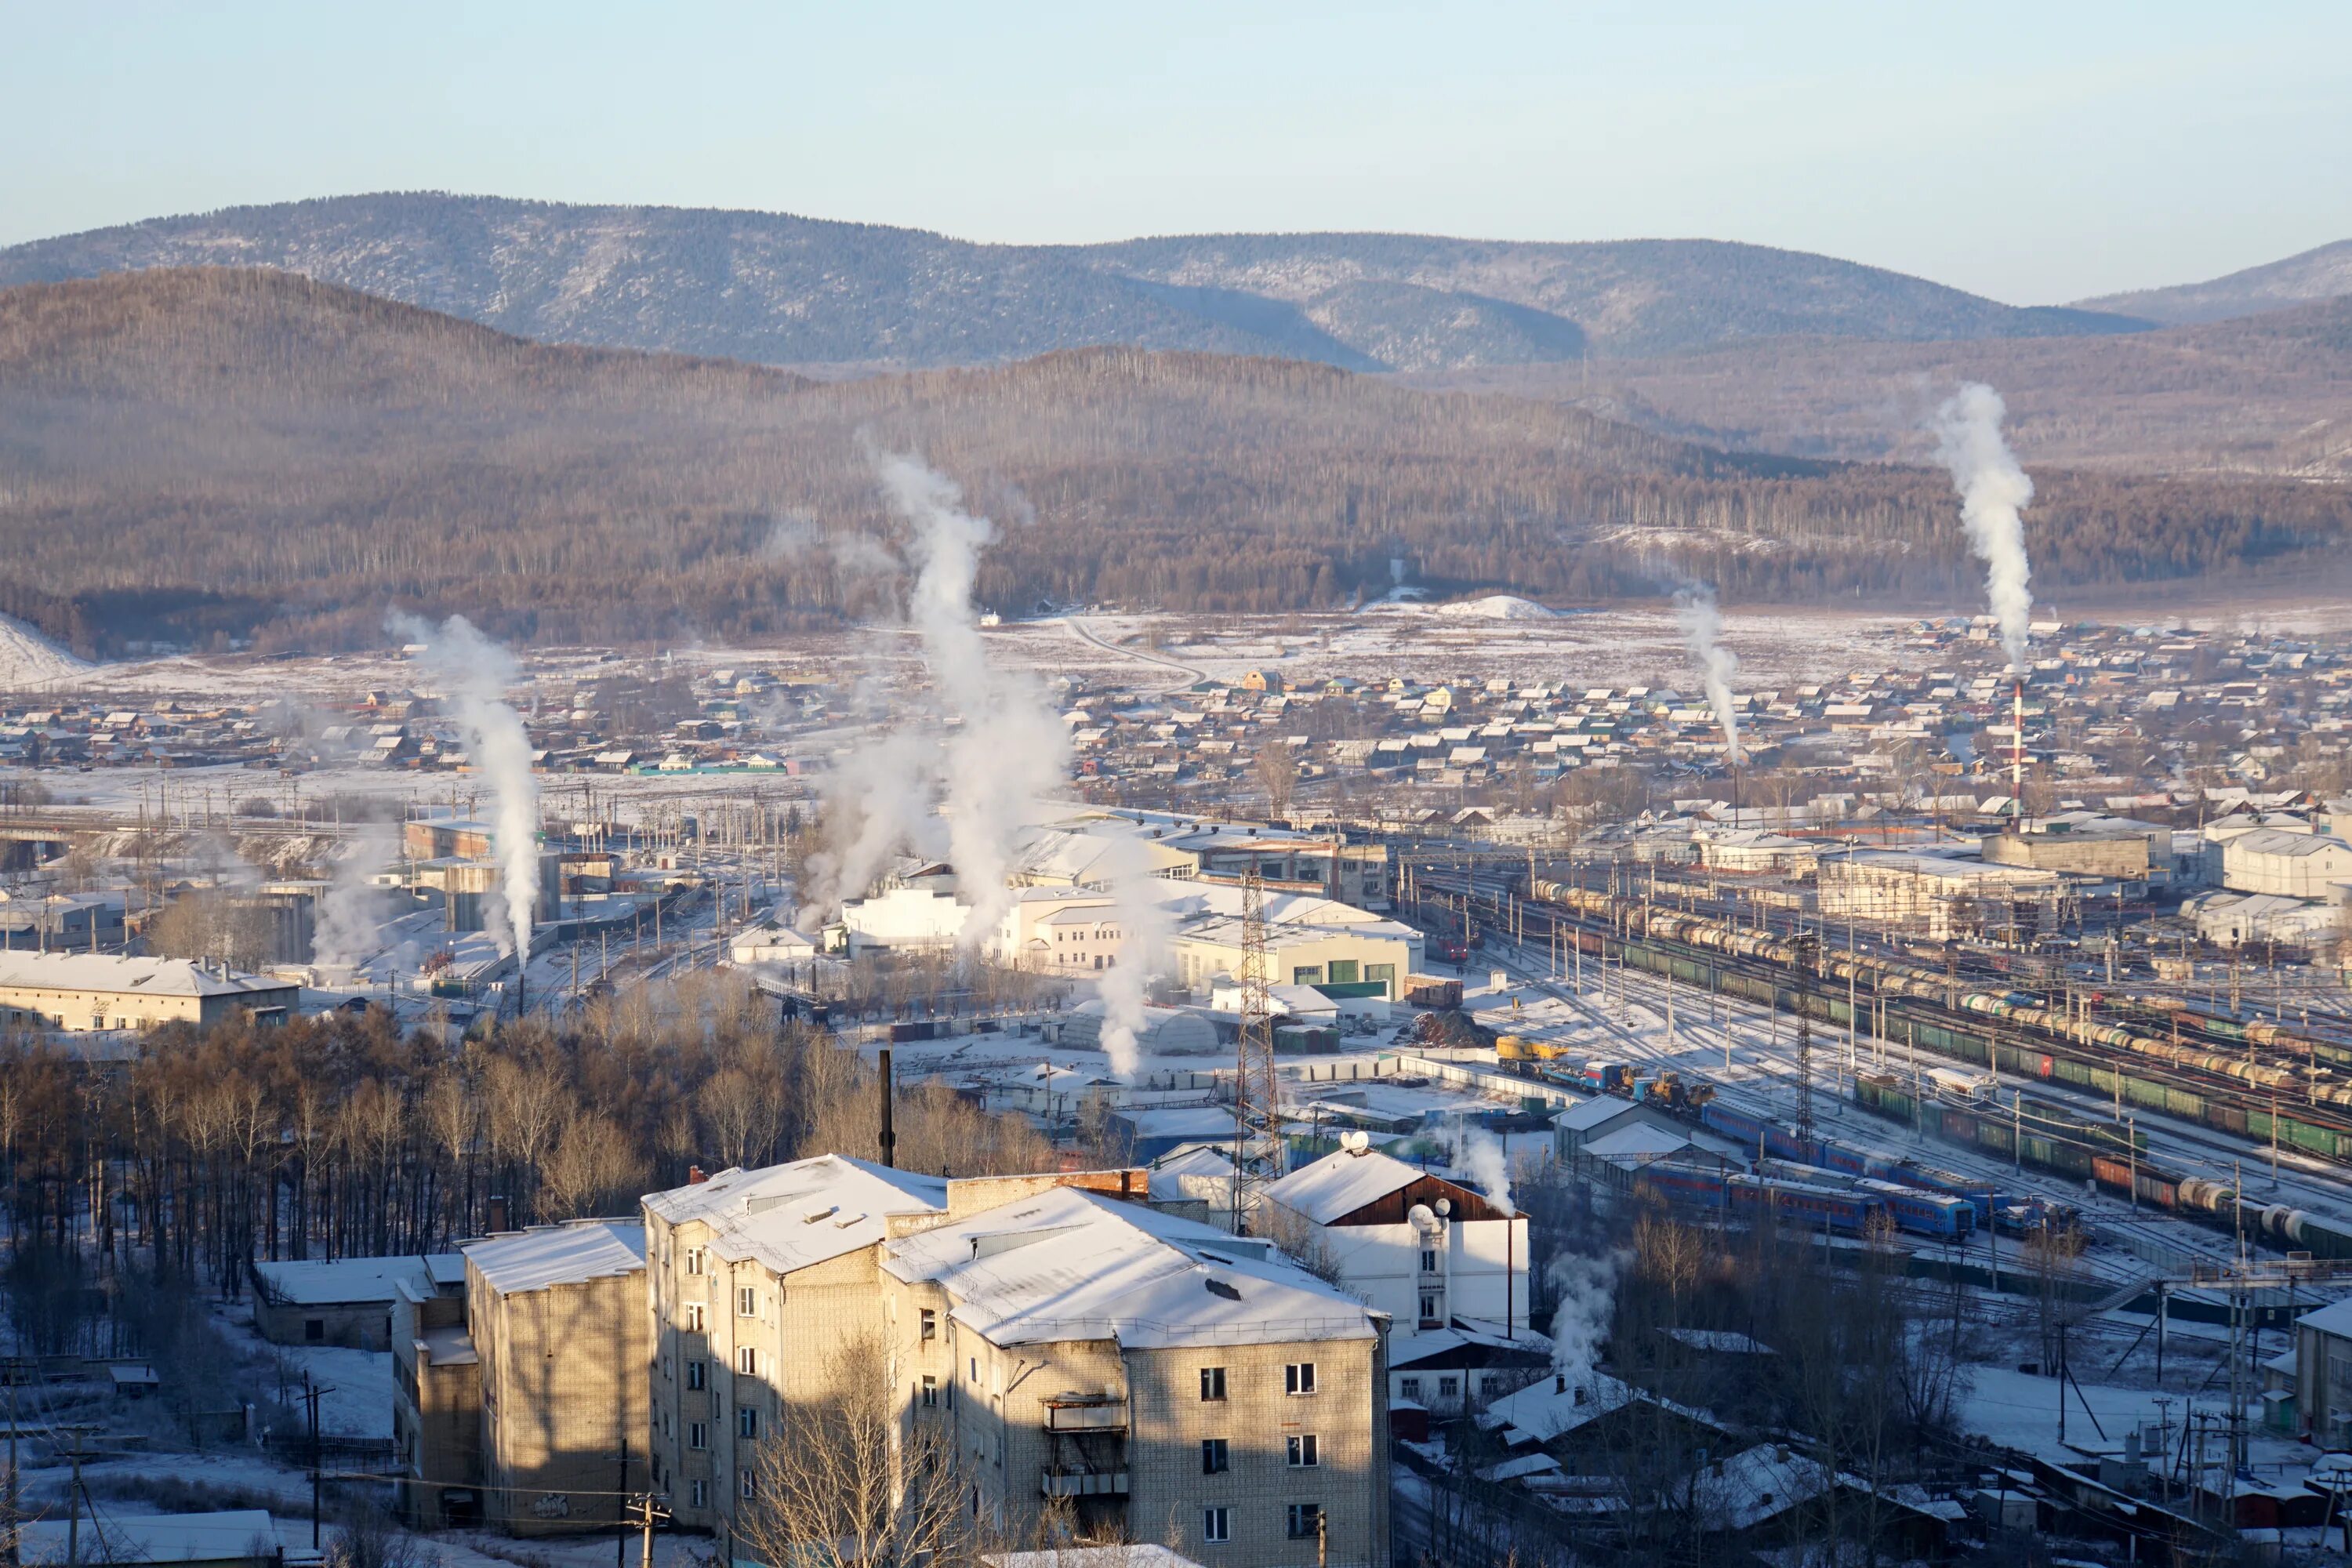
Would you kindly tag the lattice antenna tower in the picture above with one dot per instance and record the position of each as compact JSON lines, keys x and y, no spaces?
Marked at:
{"x":1257,"y":1105}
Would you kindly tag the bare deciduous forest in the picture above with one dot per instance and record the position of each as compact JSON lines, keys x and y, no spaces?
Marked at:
{"x":202,"y":455}
{"x":339,"y":1137}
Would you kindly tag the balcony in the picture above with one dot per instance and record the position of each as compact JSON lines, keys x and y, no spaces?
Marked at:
{"x":1085,"y":1413}
{"x":1083,"y":1483}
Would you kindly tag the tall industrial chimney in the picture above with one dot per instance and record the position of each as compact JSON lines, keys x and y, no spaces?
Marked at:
{"x":2017,"y":751}
{"x":889,"y":1131}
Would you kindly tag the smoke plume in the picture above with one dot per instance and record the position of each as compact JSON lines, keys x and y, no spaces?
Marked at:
{"x":879,"y":799}
{"x":1586,"y":1285}
{"x":474,"y":673}
{"x":1478,"y":1154}
{"x":350,"y":913}
{"x":1702,"y":627}
{"x":1009,"y":749}
{"x":1145,"y":933}
{"x":1993,"y":490}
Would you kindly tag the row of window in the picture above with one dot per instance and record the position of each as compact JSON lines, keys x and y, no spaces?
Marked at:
{"x":1450,"y":1386}
{"x":1299,"y":1449}
{"x":1298,"y":1377}
{"x":1301,"y":1522}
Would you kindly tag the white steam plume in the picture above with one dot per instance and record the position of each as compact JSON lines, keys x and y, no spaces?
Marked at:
{"x":1478,"y":1154}
{"x":1702,"y":627}
{"x":1011,"y":749}
{"x":1586,"y":1286}
{"x":1145,"y":931}
{"x":350,"y":914}
{"x":475,"y":673}
{"x":878,"y":800}
{"x":1993,"y":490}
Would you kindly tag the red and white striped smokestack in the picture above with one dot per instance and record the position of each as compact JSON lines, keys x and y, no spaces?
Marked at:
{"x":2017,"y":749}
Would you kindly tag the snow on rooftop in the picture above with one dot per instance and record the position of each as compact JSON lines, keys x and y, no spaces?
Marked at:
{"x":320,"y":1282}
{"x":1339,"y":1184}
{"x":807,"y":1211}
{"x":560,"y":1255}
{"x":113,"y":976}
{"x":1073,"y":1265}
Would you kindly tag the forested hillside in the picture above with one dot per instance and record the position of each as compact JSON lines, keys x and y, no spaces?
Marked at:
{"x":775,"y":288}
{"x":222,"y":453}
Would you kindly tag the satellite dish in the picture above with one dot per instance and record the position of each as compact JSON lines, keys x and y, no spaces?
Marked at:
{"x":1354,"y":1142}
{"x":1446,"y":1206}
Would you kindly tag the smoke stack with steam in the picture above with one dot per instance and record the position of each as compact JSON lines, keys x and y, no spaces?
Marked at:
{"x":1992,"y":490}
{"x":474,"y":673}
{"x":1702,"y":627}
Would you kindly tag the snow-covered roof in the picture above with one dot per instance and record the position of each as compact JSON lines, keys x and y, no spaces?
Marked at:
{"x":1639,"y":1142}
{"x":1073,"y":1265}
{"x":554,"y":1255}
{"x":317,"y":1282}
{"x":154,"y":1538}
{"x":1138,"y":1554}
{"x":791,"y":1215}
{"x":1551,"y":1407}
{"x":105,"y":972}
{"x":1587,"y":1114}
{"x":1341,"y":1182}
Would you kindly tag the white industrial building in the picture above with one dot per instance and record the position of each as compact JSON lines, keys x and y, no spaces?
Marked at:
{"x":2283,"y":862}
{"x":1939,"y":896}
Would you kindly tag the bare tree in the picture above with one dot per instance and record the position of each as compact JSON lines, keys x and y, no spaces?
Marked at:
{"x":843,"y":1485}
{"x":1277,"y":773}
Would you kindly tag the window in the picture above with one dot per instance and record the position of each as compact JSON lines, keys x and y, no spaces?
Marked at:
{"x":1385,"y":973}
{"x":1299,"y":1448}
{"x":1343,"y":972}
{"x":1306,"y":1520}
{"x":1217,"y":1524}
{"x":694,"y":1261}
{"x":748,"y":1484}
{"x":697,"y":1373}
{"x":694,"y":1316}
{"x":697,"y":1436}
{"x":699,"y":1493}
{"x":930,"y":1392}
{"x":746,"y":1300}
{"x":314,"y":1329}
{"x":1216,"y":1457}
{"x":1449,"y":1387}
{"x":1429,"y":1261}
{"x":747,"y":1421}
{"x":1212,"y":1381}
{"x":1488,"y":1383}
{"x":971,"y":1370}
{"x":747,"y":1362}
{"x":1410,"y":1387}
{"x":1307,"y":974}
{"x":1429,"y":1308}
{"x":1298,"y":1377}
{"x":930,"y":1325}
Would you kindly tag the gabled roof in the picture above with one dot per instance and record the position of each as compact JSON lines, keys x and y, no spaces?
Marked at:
{"x":1339,"y":1184}
{"x":807,"y":1211}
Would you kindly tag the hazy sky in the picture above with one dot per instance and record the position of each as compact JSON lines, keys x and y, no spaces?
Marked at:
{"x":2035,"y":152}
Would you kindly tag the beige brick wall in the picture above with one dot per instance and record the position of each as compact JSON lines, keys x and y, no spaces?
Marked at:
{"x":563,"y":1379}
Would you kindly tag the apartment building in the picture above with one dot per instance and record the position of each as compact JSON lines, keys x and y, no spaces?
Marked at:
{"x":557,"y":1317}
{"x":1446,"y":1265}
{"x":1165,"y":1379}
{"x":756,"y":1279}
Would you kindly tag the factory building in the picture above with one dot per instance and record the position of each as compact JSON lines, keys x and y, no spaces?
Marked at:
{"x":2113,"y":857}
{"x":1371,"y":958}
{"x":64,"y":922}
{"x":82,"y":992}
{"x":1939,"y":897}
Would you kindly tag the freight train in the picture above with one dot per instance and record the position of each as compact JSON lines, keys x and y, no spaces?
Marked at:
{"x":2047,"y":1140}
{"x":2307,"y":1109}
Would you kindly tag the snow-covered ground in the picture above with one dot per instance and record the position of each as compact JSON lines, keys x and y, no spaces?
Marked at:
{"x":29,"y":661}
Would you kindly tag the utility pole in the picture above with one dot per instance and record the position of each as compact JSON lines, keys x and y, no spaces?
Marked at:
{"x":310,"y":1393}
{"x":1805,"y":948}
{"x":1257,"y":1105}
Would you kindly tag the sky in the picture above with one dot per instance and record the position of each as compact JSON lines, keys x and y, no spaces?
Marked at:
{"x":2032,"y":152}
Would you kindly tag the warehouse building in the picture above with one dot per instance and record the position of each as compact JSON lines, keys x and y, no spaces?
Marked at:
{"x":345,"y":1300}
{"x":2282,"y":861}
{"x":1940,"y":897}
{"x":85,"y":990}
